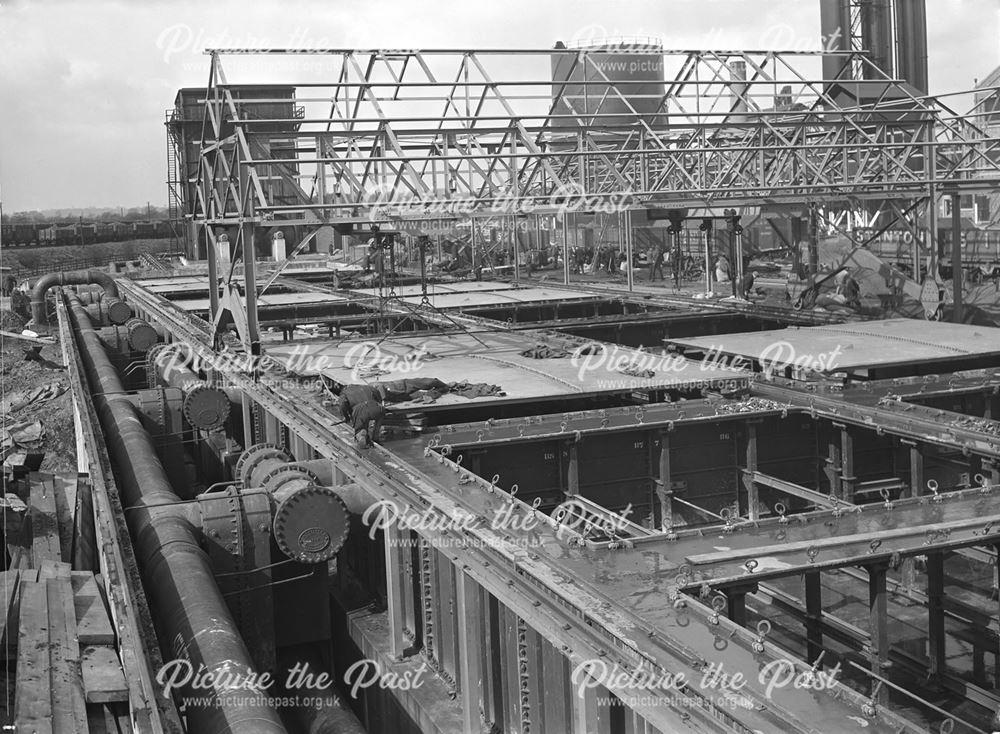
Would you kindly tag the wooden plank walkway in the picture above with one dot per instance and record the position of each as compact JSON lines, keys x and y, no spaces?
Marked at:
{"x":55,"y":620}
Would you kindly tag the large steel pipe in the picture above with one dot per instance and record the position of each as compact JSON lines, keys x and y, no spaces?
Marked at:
{"x":176,"y":571}
{"x":357,"y":499}
{"x":79,"y":277}
{"x":311,"y":521}
{"x":141,"y":336}
{"x":110,"y":310}
{"x":204,"y":407}
{"x":134,"y":336}
{"x":268,"y":466}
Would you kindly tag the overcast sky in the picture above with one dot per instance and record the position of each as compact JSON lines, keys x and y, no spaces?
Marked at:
{"x":84,"y":85}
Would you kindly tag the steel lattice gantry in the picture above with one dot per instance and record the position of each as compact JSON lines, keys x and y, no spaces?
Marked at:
{"x":410,"y":136}
{"x":409,"y":133}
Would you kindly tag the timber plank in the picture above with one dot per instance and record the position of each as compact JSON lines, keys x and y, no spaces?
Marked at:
{"x":69,"y":706}
{"x":54,"y":570}
{"x":8,"y":612}
{"x":103,"y":679}
{"x":92,"y":619}
{"x":33,"y":689}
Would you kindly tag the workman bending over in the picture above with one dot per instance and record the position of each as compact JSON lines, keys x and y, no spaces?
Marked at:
{"x":361,"y":406}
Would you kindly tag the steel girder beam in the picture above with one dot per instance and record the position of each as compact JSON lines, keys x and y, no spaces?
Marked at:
{"x":779,"y":397}
{"x":907,"y":420}
{"x":795,"y":490}
{"x":841,"y":537}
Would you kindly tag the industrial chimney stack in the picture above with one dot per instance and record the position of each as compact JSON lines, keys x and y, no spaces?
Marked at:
{"x":893,"y":32}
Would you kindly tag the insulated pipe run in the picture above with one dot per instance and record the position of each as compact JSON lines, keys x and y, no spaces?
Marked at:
{"x":176,"y":571}
{"x":80,"y":277}
{"x":205,"y":407}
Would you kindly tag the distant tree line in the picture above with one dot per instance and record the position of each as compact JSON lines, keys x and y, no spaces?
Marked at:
{"x":90,"y":214}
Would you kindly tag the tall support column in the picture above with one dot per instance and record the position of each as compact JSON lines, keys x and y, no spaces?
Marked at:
{"x":247,"y":240}
{"x":321,"y":192}
{"x":706,"y":227}
{"x":916,"y":471}
{"x":565,"y":236}
{"x":250,"y":288}
{"x":834,"y":466}
{"x":908,"y":572}
{"x":736,"y":602}
{"x":676,"y":257}
{"x":753,"y":501}
{"x":930,"y":156}
{"x":847,"y":478}
{"x":663,"y":490}
{"x":213,"y":277}
{"x":738,"y":249}
{"x":539,"y":248}
{"x":517,"y":249}
{"x":470,"y":638}
{"x":813,"y":240}
{"x":814,"y":616}
{"x":473,"y":254}
{"x":573,"y":470}
{"x":878,"y":625}
{"x":956,"y":257}
{"x":249,"y":423}
{"x":394,"y":590}
{"x":935,"y":614}
{"x":626,"y":220}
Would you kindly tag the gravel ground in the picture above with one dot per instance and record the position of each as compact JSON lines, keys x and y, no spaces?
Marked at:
{"x":18,"y":374}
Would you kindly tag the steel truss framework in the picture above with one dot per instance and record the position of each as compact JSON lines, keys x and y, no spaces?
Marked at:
{"x":406,"y":136}
{"x":410,"y":133}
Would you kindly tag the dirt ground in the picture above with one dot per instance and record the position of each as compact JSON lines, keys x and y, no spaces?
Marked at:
{"x":56,"y":416}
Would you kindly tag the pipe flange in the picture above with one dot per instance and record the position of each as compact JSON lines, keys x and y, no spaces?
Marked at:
{"x":257,"y":453}
{"x":311,"y":525}
{"x":141,"y":336}
{"x":117,"y":311}
{"x":152,"y":356}
{"x":206,"y":407}
{"x":278,"y":477}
